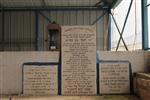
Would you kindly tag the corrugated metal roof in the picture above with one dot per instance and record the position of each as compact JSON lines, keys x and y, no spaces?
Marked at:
{"x":20,"y":3}
{"x":117,"y":3}
{"x":31,"y":3}
{"x":71,"y":2}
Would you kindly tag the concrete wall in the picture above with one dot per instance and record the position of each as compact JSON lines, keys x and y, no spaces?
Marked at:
{"x":139,"y":60}
{"x":11,"y":68}
{"x":11,"y":65}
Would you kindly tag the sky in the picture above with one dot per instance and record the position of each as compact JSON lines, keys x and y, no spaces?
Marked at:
{"x":133,"y":25}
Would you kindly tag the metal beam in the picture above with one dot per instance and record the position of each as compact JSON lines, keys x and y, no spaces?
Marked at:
{"x":148,"y":5}
{"x":37,"y":34}
{"x":49,"y":8}
{"x":105,"y":2}
{"x":98,"y":3}
{"x":119,"y":30}
{"x":3,"y":29}
{"x":124,"y":25}
{"x":17,"y":43}
{"x":147,"y":48}
{"x":115,"y":3}
{"x":109,"y":33}
{"x":45,"y":17}
{"x":101,"y":16}
{"x":44,"y":3}
{"x":144,"y":25}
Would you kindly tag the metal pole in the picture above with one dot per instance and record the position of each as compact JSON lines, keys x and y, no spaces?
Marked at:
{"x":45,"y":17}
{"x":144,"y":25}
{"x":58,"y":8}
{"x":119,"y":31}
{"x":37,"y":39}
{"x":109,"y":33}
{"x":94,"y":22}
{"x":98,"y":3}
{"x":124,"y":25}
{"x":3,"y":30}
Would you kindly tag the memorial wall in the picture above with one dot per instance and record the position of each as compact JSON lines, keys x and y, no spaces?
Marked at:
{"x":114,"y":77}
{"x":40,"y":79}
{"x":79,"y":73}
{"x":78,"y":60}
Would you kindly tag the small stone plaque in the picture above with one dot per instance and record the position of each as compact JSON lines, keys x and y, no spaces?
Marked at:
{"x":78,"y":60}
{"x":114,"y":78}
{"x":40,"y":80}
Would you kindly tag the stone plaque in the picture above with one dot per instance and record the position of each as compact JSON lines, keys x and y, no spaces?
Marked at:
{"x":114,"y":78}
{"x":78,"y":60}
{"x":40,"y":80}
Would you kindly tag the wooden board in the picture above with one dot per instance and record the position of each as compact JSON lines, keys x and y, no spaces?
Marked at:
{"x":142,"y":75}
{"x":40,"y":80}
{"x":142,"y":85}
{"x":144,"y":94}
{"x":78,"y":60}
{"x":114,"y":78}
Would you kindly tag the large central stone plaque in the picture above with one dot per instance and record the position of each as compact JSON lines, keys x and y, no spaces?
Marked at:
{"x":40,"y":80}
{"x":79,"y":60}
{"x":114,"y":78}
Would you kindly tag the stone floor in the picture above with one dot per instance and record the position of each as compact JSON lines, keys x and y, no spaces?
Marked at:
{"x":104,"y":97}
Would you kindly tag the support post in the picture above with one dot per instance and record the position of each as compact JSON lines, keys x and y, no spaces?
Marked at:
{"x":109,"y":34}
{"x":119,"y":31}
{"x":101,"y":16}
{"x":3,"y":30}
{"x":45,"y":17}
{"x":37,"y":38}
{"x":144,"y":25}
{"x":58,"y":8}
{"x":124,"y":25}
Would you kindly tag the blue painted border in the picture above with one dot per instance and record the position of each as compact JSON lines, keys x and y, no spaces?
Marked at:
{"x":97,"y":78}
